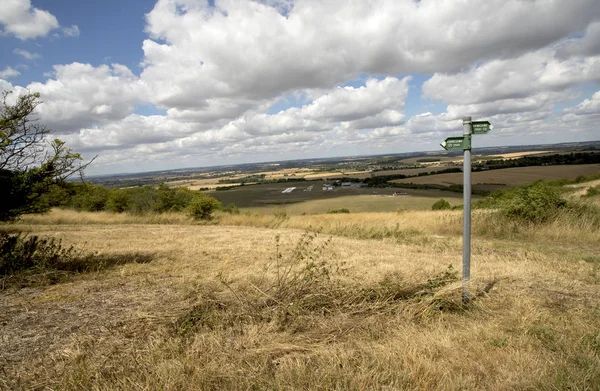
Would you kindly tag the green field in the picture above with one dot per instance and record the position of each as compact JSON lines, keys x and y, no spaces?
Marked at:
{"x":266,"y":198}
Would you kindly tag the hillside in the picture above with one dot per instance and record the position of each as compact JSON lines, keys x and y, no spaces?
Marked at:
{"x":170,"y":304}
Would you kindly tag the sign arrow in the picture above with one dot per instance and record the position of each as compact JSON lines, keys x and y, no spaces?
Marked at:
{"x":455,"y":144}
{"x":481,"y":127}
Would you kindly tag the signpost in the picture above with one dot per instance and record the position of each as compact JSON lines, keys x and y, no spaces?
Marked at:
{"x":464,"y":143}
{"x":455,"y":143}
{"x":481,"y":127}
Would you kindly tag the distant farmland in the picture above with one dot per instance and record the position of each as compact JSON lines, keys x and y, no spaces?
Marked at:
{"x":269,"y":196}
{"x":508,"y":176}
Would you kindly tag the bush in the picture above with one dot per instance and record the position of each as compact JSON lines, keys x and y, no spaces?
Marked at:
{"x":90,"y":198}
{"x":441,"y":205}
{"x":341,"y":210}
{"x":535,"y":202}
{"x":202,"y":206}
{"x":19,"y":253}
{"x":118,"y":201}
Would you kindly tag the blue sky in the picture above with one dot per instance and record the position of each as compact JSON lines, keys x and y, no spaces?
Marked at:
{"x":149,"y":85}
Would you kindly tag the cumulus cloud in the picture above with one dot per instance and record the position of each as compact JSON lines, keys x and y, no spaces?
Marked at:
{"x":9,"y":72}
{"x":251,"y":49}
{"x":585,"y":114}
{"x":513,"y":79}
{"x":24,"y":21}
{"x":80,"y":95}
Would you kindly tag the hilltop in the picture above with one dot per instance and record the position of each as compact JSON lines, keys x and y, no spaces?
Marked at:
{"x":262,"y":301}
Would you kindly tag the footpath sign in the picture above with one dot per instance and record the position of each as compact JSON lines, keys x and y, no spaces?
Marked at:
{"x":481,"y":127}
{"x":457,"y":144}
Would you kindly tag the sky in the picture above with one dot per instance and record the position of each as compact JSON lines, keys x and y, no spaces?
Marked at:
{"x":154,"y":85}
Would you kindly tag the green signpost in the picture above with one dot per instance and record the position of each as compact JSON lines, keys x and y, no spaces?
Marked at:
{"x":481,"y":127}
{"x":457,"y":144}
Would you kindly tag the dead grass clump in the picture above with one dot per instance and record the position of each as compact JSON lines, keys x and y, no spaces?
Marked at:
{"x":299,"y":289}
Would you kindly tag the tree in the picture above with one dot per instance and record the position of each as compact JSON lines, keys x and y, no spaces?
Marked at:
{"x":30,"y":164}
{"x":202,"y":206}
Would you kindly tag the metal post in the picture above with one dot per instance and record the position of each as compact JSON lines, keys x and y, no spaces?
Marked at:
{"x":466,"y":274}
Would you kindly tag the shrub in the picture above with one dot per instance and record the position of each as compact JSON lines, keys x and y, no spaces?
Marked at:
{"x":202,"y":206}
{"x":441,"y":205}
{"x":18,"y":253}
{"x":90,"y":198}
{"x":535,"y":202}
{"x":118,"y":201}
{"x":341,"y":210}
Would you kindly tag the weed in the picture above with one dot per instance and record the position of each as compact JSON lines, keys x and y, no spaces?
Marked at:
{"x":297,"y":286}
{"x":592,"y":192}
{"x":280,"y":214}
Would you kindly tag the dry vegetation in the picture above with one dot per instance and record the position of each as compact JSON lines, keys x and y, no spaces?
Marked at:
{"x":252,"y":302}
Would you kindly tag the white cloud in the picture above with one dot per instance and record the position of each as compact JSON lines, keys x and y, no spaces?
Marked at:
{"x":27,"y":55}
{"x":72,"y":31}
{"x":9,"y":72}
{"x":513,"y":79}
{"x":81,"y":95}
{"x":24,"y":21}
{"x":585,"y":115}
{"x":219,"y":72}
{"x":249,"y":49}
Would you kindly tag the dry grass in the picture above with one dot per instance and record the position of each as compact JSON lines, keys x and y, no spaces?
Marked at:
{"x":66,"y":216}
{"x":388,"y":316}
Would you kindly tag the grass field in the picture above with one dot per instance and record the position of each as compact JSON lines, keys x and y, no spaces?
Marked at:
{"x":508,"y":176}
{"x":176,"y":305}
{"x":364,"y":203}
{"x":265,"y":198}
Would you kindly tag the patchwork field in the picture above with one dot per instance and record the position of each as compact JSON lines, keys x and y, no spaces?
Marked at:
{"x":509,"y":176}
{"x":268,"y":197}
{"x":253,"y":302}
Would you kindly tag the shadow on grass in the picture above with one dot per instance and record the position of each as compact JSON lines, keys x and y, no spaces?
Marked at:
{"x":62,"y":271}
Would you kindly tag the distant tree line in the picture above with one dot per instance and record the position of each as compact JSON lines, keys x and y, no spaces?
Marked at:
{"x":547,"y":160}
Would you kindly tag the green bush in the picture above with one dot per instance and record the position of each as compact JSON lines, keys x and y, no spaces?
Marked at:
{"x":118,"y":201}
{"x":535,"y":202}
{"x":90,"y":198}
{"x":441,"y":205}
{"x":341,"y":210}
{"x":202,"y":206}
